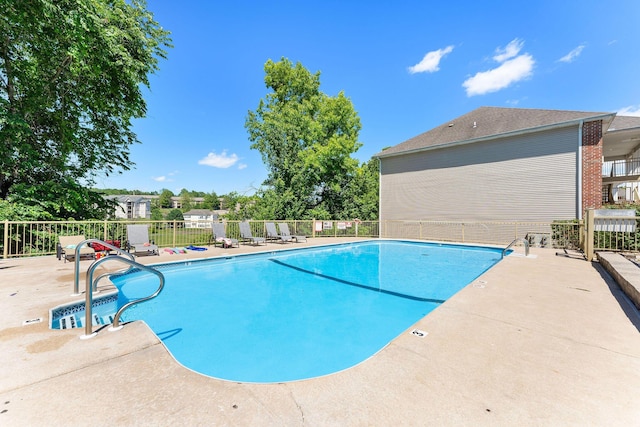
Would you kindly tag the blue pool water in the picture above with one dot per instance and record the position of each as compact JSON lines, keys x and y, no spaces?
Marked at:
{"x":291,"y":315}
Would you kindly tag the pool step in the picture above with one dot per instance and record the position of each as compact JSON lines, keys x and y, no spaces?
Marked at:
{"x":72,"y":321}
{"x":69,"y":322}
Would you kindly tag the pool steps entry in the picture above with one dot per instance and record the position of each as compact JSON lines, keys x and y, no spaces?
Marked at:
{"x":516,"y":240}
{"x":70,"y":321}
{"x":91,"y":286}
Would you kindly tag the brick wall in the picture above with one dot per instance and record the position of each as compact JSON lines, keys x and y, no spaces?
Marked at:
{"x":592,"y":165}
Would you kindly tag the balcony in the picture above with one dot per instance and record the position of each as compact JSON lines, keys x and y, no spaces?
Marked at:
{"x":619,"y":171}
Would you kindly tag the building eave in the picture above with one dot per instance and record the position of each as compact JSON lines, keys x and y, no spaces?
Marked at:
{"x":606,"y":118}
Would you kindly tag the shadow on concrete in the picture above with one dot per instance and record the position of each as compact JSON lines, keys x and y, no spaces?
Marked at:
{"x":625,"y":303}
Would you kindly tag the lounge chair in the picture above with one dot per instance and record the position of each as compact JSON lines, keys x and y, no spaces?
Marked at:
{"x":220,"y":236}
{"x":284,"y":231}
{"x":138,"y":240}
{"x":66,"y":248}
{"x":272,"y":233}
{"x":245,"y":234}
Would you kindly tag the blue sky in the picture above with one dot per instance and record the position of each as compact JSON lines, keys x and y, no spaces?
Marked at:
{"x":407,"y":67}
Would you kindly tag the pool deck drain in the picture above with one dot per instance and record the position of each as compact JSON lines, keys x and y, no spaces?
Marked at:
{"x":548,"y":341}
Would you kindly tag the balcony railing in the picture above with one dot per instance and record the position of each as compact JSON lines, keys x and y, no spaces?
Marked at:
{"x":619,"y":169}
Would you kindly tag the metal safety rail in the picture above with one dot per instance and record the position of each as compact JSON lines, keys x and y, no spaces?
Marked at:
{"x":88,"y":327}
{"x":518,"y":239}
{"x":76,"y":275}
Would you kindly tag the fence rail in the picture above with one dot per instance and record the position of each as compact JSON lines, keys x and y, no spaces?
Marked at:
{"x":37,"y":238}
{"x":561,"y":234}
{"x":611,"y":233}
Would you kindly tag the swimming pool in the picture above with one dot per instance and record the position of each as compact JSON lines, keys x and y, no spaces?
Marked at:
{"x":298,"y":314}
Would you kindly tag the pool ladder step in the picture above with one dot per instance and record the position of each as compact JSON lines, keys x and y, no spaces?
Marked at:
{"x":71,"y":321}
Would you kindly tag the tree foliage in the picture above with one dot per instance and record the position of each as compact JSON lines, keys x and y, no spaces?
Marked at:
{"x":361,"y":194}
{"x":175,"y":214}
{"x":156,"y":214}
{"x":211,"y":201}
{"x":306,"y":139}
{"x":71,"y":77}
{"x":186,"y":200}
{"x":12,"y":211}
{"x":164,"y":200}
{"x":120,"y":191}
{"x":240,"y":206}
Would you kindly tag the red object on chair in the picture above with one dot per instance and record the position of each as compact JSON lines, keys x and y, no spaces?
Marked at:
{"x":98,"y":247}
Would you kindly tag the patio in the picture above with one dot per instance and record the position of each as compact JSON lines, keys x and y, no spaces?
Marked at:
{"x":542,"y":340}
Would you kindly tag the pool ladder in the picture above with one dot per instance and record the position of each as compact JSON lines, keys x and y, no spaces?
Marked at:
{"x":516,"y":240}
{"x":91,"y":284}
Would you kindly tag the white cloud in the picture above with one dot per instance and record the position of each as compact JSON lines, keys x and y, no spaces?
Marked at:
{"x":431,"y":61}
{"x":161,"y":179}
{"x":241,"y":166}
{"x":511,"y":50}
{"x":571,"y":56}
{"x":631,"y":110}
{"x":222,"y":160}
{"x":165,"y":178}
{"x":507,"y":73}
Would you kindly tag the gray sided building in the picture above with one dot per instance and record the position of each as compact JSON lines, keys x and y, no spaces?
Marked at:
{"x":508,"y":164}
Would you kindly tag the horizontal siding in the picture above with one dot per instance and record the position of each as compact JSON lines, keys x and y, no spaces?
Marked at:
{"x":524,"y":178}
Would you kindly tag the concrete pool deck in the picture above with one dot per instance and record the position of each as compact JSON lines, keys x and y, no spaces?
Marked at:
{"x":543,"y":340}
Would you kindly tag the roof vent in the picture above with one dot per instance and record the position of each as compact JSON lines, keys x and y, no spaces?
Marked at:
{"x":450,"y":125}
{"x":474,"y":125}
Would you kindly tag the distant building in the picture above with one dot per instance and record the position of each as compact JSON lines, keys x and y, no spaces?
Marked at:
{"x":176,"y":201}
{"x":132,"y":207}
{"x":201,"y":218}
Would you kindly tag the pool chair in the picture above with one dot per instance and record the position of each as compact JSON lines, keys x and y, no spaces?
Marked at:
{"x":272,"y":233}
{"x":220,"y":236}
{"x":245,"y":234}
{"x":138,"y":240}
{"x":66,"y":248}
{"x":284,"y":231}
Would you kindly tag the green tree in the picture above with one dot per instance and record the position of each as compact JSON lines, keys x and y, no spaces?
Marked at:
{"x":361,"y":194}
{"x":11,"y":211}
{"x":306,"y":139}
{"x":240,"y":207}
{"x":156,"y":214}
{"x":186,"y":200}
{"x":175,"y":214}
{"x":71,"y":78}
{"x":164,"y":200}
{"x":211,"y":201}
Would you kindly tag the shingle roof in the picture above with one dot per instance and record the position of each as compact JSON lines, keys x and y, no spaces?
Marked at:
{"x":625,"y":122}
{"x":486,"y":122}
{"x":128,"y":198}
{"x":199,"y":212}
